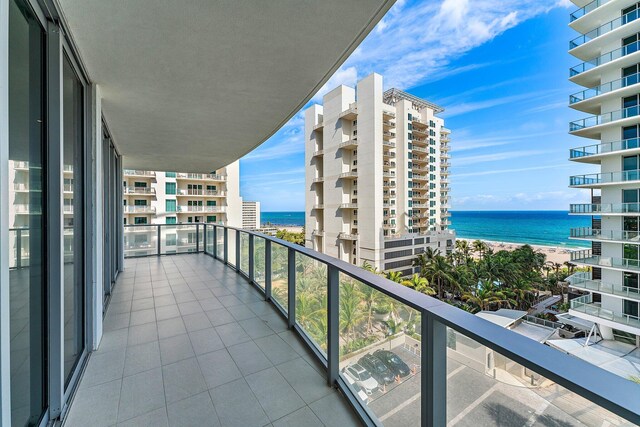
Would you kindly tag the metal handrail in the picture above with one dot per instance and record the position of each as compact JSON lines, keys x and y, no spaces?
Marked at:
{"x":586,"y":9}
{"x":605,"y":118}
{"x":618,"y":396}
{"x":603,"y":148}
{"x":605,"y":208}
{"x":604,"y":28}
{"x":605,"y":58}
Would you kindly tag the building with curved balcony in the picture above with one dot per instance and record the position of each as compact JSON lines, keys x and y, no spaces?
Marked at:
{"x":608,"y":44}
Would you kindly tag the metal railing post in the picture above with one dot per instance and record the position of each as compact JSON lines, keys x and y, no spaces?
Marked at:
{"x":204,"y":238}
{"x":433,"y":359}
{"x":159,"y":241}
{"x":291,"y":285}
{"x":225,"y":245}
{"x":251,"y":259}
{"x":197,"y":237}
{"x":333,"y":324}
{"x":238,"y":250}
{"x":267,"y":270}
{"x":215,"y":241}
{"x":19,"y":248}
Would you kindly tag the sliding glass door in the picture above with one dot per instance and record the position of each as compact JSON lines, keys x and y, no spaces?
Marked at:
{"x":27,"y":214}
{"x":73,"y":210}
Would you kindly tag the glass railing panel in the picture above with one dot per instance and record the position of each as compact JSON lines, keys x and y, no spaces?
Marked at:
{"x":259,"y":260}
{"x":486,"y":388}
{"x":380,"y":352}
{"x":603,"y":29}
{"x":209,"y":243}
{"x":311,"y":299}
{"x":244,"y":252}
{"x":280,"y":275}
{"x":220,"y":242}
{"x":603,"y":59}
{"x":179,"y":238}
{"x":588,"y":8}
{"x":231,"y":246}
{"x":140,"y":240}
{"x":18,"y":248}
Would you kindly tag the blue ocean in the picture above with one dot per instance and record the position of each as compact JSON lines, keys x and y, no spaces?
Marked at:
{"x":549,"y":228}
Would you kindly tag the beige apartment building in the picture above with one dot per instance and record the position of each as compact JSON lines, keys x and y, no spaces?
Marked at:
{"x":608,"y":46}
{"x":183,"y":199}
{"x":377,"y":176}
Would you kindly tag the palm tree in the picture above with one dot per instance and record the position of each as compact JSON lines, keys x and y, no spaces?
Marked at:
{"x":371,"y":298}
{"x":350,"y":312}
{"x":425,"y":258}
{"x":480,"y":247}
{"x":486,"y":297}
{"x":464,"y":248}
{"x":439,"y":271}
{"x":394,"y":276}
{"x":367,"y":266}
{"x":420,"y":284}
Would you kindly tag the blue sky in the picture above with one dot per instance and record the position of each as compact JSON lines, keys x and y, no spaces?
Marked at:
{"x":500,"y":70}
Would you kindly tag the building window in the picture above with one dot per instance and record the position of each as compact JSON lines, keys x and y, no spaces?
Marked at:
{"x":140,"y":184}
{"x":170,"y":205}
{"x":170,"y":174}
{"x":171,"y":239}
{"x":140,"y":203}
{"x":410,"y":126}
{"x":211,"y":203}
{"x":170,"y":187}
{"x":171,"y":220}
{"x":211,"y":218}
{"x":409,"y":117}
{"x":140,"y":220}
{"x":211,"y":188}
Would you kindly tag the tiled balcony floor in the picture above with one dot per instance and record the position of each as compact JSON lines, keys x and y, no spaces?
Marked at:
{"x":188,"y":342}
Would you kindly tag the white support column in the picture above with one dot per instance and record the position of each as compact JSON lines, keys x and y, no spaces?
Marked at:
{"x":5,"y":366}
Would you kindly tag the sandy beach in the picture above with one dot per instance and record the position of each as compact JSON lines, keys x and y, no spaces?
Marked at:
{"x":557,"y":254}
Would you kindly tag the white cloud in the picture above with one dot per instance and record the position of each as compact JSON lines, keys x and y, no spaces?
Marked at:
{"x":492,"y":157}
{"x":289,"y":145}
{"x":344,"y":76}
{"x":416,"y":43}
{"x":514,"y":170}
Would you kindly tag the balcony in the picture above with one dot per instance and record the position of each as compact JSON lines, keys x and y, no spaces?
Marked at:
{"x":200,"y":192}
{"x":350,"y":113}
{"x":586,"y":305}
{"x":348,"y":206}
{"x":583,"y":281}
{"x":319,"y":126}
{"x":420,"y":149}
{"x":619,"y":236}
{"x":135,"y":172}
{"x":317,"y":233}
{"x":386,"y":135}
{"x":598,"y":180}
{"x":143,"y":209}
{"x":418,"y":177}
{"x":318,"y":180}
{"x":589,"y":73}
{"x":388,"y":144}
{"x":586,"y":257}
{"x":420,"y":131}
{"x":389,"y":154}
{"x":389,"y":114}
{"x":594,"y":153}
{"x":140,"y":191}
{"x":348,"y":175}
{"x":318,"y":153}
{"x":208,"y":209}
{"x":590,"y":100}
{"x":416,"y":122}
{"x":347,"y":236}
{"x":351,"y":143}
{"x":388,"y":124}
{"x":201,"y":176}
{"x":585,"y":45}
{"x":318,"y":206}
{"x":591,"y":127}
{"x":606,"y":209}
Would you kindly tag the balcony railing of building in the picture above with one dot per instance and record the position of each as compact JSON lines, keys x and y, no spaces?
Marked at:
{"x":318,"y":179}
{"x":604,"y":28}
{"x":202,"y":176}
{"x":199,"y":192}
{"x":135,"y":172}
{"x":605,"y":58}
{"x":351,"y":143}
{"x":605,"y":178}
{"x":282,"y":271}
{"x":602,"y":119}
{"x":605,"y":88}
{"x":388,"y":144}
{"x":586,"y":9}
{"x":585,"y":304}
{"x":201,"y":209}
{"x":140,"y":190}
{"x":605,"y":208}
{"x":351,"y":174}
{"x":604,"y":148}
{"x":139,"y":209}
{"x":588,"y":233}
{"x":586,"y":257}
{"x":583,"y":280}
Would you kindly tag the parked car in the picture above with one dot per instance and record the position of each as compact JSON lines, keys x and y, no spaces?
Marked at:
{"x":377,"y":368}
{"x":362,"y":377}
{"x":362,"y":395}
{"x":393,"y":362}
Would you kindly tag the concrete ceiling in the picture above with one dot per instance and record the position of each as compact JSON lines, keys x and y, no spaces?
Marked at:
{"x":194,"y":85}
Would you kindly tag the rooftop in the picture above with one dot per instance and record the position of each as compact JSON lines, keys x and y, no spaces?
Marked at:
{"x":393,"y":95}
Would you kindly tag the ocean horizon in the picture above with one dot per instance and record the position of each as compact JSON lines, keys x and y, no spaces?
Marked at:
{"x":547,"y":228}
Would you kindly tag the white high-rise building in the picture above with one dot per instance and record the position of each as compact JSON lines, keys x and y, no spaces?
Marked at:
{"x":377,"y":176}
{"x":152,"y":197}
{"x":250,"y":215}
{"x":610,"y":48}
